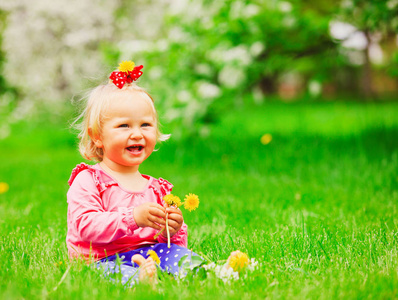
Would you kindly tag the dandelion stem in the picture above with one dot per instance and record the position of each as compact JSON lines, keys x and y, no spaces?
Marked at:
{"x":168,"y":231}
{"x":156,"y":235}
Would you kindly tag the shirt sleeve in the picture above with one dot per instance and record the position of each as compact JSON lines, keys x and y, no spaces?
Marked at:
{"x":88,"y":218}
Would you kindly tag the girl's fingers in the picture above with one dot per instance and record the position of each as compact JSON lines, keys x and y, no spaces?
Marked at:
{"x":157,"y":220}
{"x":173,"y":210}
{"x":176,"y":217}
{"x":155,"y":226}
{"x":174,"y":223}
{"x":156,"y":211}
{"x":174,"y":226}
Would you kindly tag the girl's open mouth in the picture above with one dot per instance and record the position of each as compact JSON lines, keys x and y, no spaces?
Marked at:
{"x":135,"y":148}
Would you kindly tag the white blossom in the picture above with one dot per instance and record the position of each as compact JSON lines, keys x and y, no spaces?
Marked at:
{"x":256,"y":48}
{"x":251,"y":10}
{"x":208,"y":90}
{"x":285,"y":6}
{"x":184,"y":96}
{"x":253,"y":265}
{"x":231,"y":77}
{"x":239,"y":54}
{"x":226,"y":273}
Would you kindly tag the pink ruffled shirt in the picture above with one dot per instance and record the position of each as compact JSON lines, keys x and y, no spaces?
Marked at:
{"x":100,"y":214}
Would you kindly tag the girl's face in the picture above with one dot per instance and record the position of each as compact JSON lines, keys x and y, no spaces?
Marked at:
{"x":128,"y":133}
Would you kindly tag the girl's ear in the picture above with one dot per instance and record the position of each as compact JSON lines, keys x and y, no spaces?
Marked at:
{"x":95,"y":138}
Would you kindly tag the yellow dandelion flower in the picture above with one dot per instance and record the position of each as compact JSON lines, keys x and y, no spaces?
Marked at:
{"x":154,"y":256}
{"x":126,"y":66}
{"x":177,"y":201}
{"x":168,"y":198}
{"x":172,"y":200}
{"x":266,"y":139}
{"x":238,"y":261}
{"x":191,"y":202}
{"x":3,"y":187}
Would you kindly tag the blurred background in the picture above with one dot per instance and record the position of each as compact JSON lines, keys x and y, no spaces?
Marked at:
{"x":200,"y":57}
{"x":283,"y":117}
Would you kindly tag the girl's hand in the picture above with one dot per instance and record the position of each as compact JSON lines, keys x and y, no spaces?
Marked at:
{"x":150,"y":215}
{"x":175,"y":220}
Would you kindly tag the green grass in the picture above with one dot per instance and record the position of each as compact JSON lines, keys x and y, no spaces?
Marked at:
{"x":317,"y":207}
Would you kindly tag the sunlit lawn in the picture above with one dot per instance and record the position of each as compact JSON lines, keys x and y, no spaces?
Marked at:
{"x":317,"y":206}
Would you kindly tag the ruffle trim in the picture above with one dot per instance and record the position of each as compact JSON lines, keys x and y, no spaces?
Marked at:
{"x":128,"y":218}
{"x":77,"y":170}
{"x":96,"y":173}
{"x":161,"y":187}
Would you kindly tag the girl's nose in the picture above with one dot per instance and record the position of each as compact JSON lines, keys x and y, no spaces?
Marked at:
{"x":136,"y":134}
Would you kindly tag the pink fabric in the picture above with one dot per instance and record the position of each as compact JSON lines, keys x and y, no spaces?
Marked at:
{"x":100,"y":214}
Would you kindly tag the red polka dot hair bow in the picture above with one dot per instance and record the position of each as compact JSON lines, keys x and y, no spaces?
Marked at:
{"x":127,"y":73}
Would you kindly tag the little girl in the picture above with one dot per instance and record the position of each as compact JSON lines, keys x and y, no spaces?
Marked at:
{"x":113,"y":210}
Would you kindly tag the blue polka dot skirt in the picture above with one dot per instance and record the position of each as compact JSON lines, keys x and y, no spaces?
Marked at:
{"x":169,"y":258}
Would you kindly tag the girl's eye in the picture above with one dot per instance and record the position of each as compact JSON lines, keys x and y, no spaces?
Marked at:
{"x":146,"y":125}
{"x":123,"y":126}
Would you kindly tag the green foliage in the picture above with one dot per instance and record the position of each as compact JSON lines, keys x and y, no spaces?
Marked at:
{"x":224,"y":50}
{"x":371,"y":16}
{"x":317,"y":206}
{"x":210,"y":55}
{"x":378,"y":21}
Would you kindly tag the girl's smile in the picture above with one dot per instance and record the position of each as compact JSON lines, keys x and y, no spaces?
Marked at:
{"x":135,"y":149}
{"x":128,"y":134}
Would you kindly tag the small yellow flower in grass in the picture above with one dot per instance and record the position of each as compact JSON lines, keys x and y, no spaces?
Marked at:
{"x":58,"y":264}
{"x":191,"y":202}
{"x":266,"y":139}
{"x":172,"y":200}
{"x":154,"y":256}
{"x":126,"y":66}
{"x":3,"y":187}
{"x":238,"y":261}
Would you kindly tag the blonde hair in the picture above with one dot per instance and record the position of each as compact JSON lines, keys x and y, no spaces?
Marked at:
{"x":92,"y":117}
